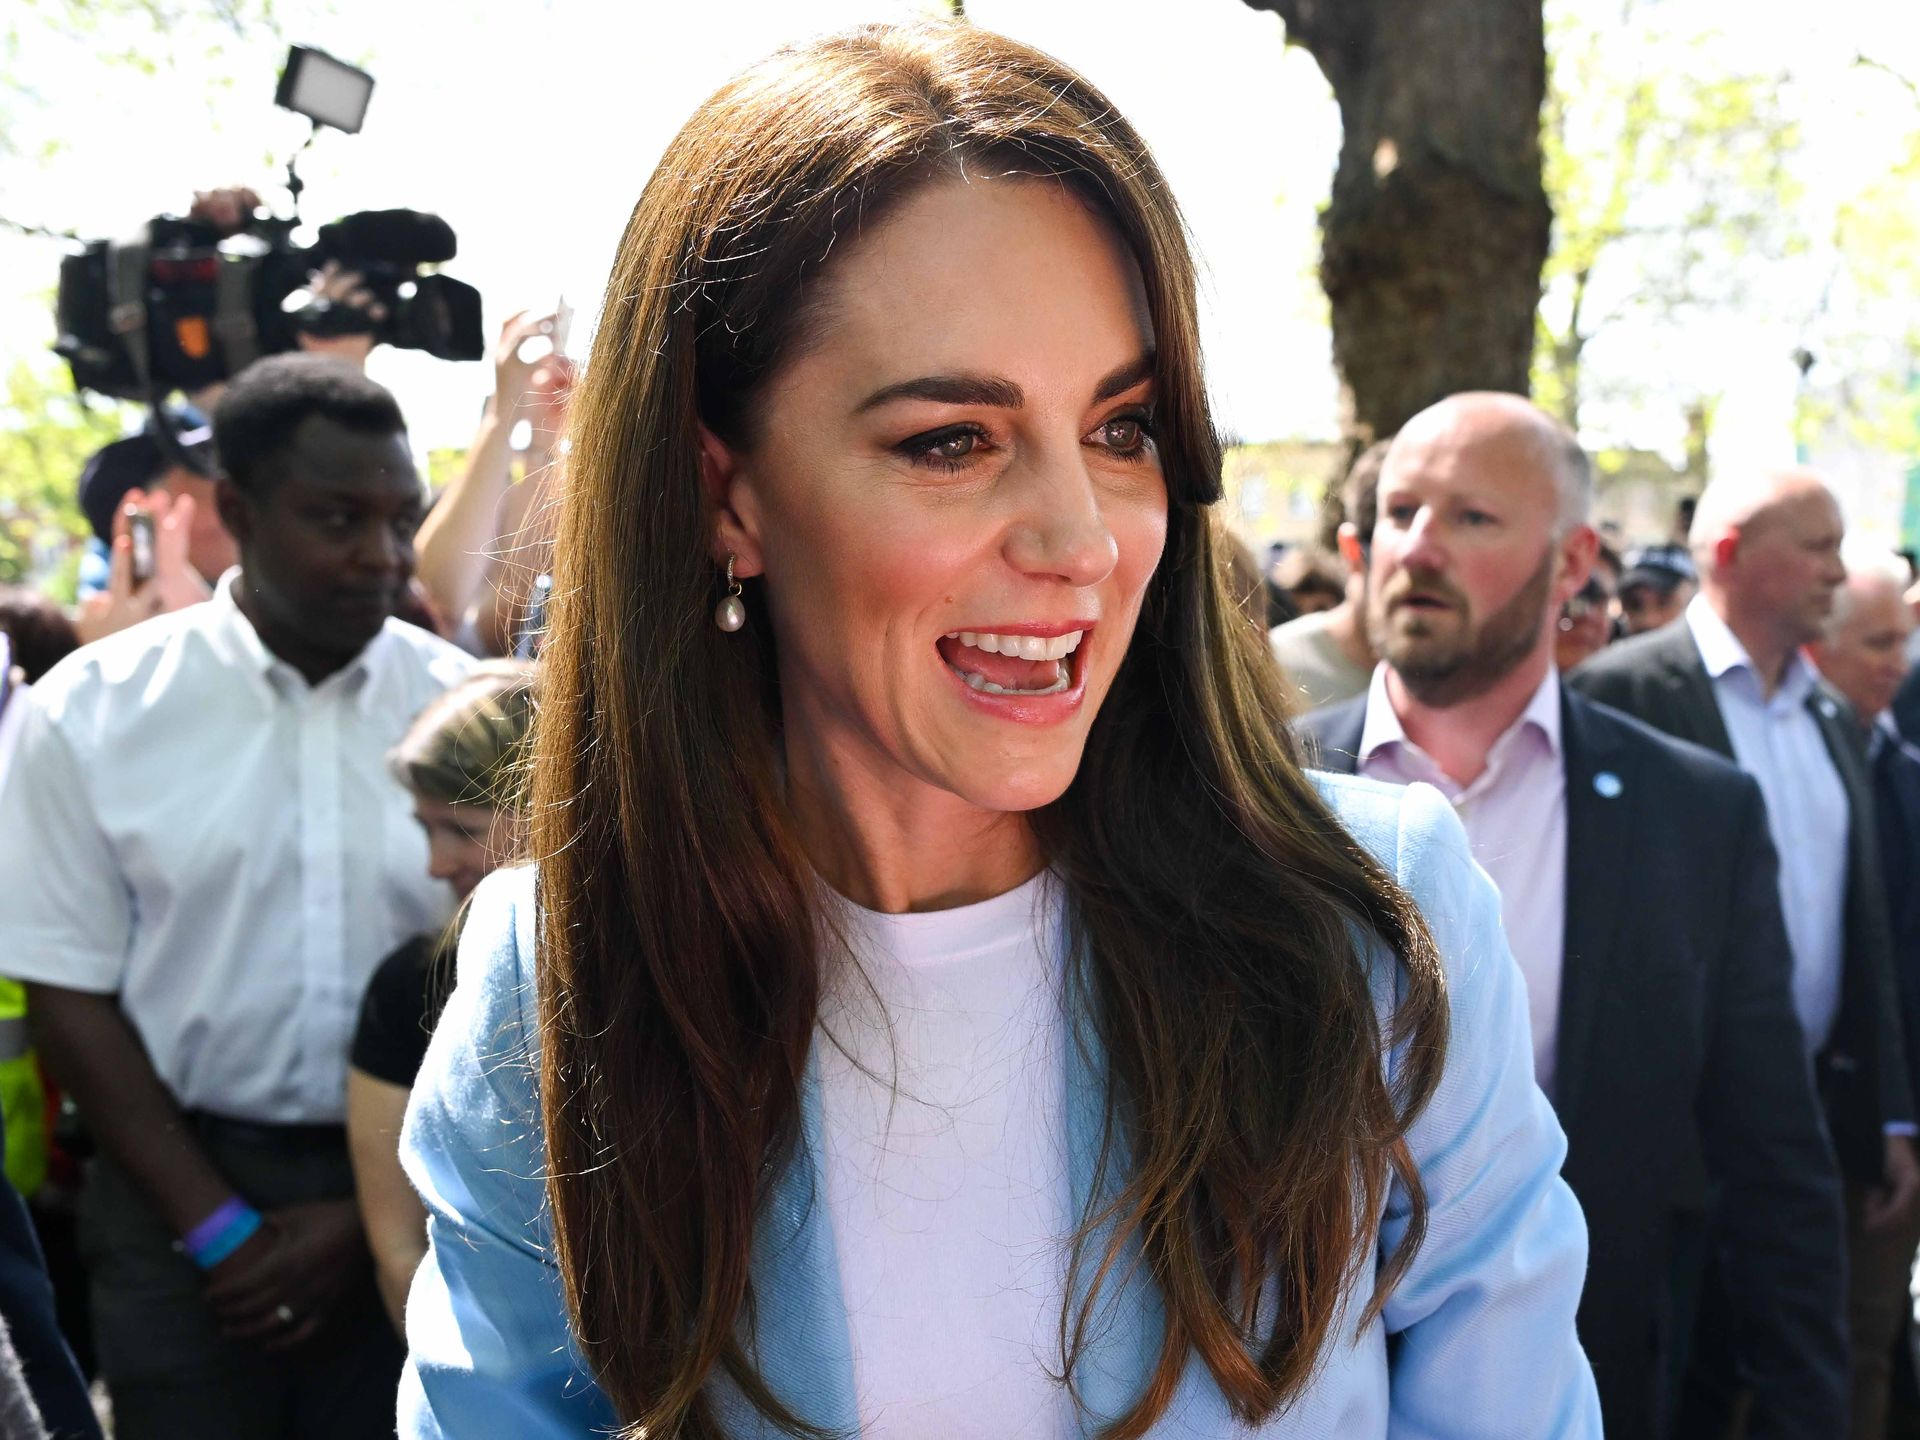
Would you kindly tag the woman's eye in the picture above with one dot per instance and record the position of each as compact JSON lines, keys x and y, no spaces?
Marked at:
{"x":954,"y":447}
{"x":1127,"y":436}
{"x":945,"y":449}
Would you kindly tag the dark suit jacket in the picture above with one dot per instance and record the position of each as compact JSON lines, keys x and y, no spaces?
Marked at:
{"x":1906,"y":705}
{"x":1680,"y":1077}
{"x":1862,"y":1073}
{"x":1895,"y":770}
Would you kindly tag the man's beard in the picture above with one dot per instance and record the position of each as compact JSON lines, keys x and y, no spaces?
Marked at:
{"x":1444,"y":670}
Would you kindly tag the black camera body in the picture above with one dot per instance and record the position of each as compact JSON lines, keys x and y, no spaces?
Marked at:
{"x":177,"y":306}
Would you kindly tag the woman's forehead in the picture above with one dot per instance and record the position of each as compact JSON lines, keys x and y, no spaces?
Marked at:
{"x":975,"y":275}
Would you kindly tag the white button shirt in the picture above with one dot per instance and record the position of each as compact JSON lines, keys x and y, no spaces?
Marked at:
{"x":192,"y":826}
{"x":1778,"y":742}
{"x":1515,"y":813}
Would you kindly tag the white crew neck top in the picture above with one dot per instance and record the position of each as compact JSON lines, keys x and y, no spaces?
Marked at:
{"x":944,"y":1152}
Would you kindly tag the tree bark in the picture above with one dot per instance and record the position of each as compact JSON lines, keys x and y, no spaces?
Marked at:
{"x":1433,"y":240}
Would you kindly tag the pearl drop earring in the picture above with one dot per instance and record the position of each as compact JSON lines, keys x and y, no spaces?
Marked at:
{"x":731,"y":613}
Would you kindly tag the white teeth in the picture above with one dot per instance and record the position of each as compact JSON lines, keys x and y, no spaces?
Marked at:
{"x":989,"y":688}
{"x":1024,"y":647}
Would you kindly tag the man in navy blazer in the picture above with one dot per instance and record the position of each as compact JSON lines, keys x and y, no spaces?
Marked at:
{"x":1638,"y":891}
{"x":1862,"y":655}
{"x":1729,"y":675}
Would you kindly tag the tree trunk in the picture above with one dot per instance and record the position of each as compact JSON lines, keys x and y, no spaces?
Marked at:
{"x":1434,"y":237}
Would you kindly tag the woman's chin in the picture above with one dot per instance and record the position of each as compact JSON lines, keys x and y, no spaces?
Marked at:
{"x":1015,"y":789}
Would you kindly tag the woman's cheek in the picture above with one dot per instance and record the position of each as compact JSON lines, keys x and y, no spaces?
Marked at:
{"x":1142,"y":539}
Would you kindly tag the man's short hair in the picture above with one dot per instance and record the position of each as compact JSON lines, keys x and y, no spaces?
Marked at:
{"x":1866,"y":561}
{"x":1576,"y":479}
{"x":256,"y":418}
{"x":1360,"y":491}
{"x":39,"y":630}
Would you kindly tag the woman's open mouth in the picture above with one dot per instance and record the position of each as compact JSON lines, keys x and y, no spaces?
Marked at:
{"x":1025,"y":666}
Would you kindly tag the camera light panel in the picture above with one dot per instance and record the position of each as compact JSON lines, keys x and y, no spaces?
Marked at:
{"x":325,"y":90}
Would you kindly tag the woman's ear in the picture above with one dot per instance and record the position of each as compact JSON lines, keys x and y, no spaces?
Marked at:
{"x":736,"y":508}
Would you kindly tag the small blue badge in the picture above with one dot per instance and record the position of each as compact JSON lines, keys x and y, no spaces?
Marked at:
{"x":1607,"y":785}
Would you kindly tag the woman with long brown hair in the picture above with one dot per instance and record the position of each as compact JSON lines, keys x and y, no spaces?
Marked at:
{"x":942,"y":1005}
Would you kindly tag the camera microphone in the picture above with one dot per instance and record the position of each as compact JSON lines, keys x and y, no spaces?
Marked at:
{"x":397,"y":237}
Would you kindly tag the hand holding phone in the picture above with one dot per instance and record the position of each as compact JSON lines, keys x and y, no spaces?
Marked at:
{"x":140,"y":530}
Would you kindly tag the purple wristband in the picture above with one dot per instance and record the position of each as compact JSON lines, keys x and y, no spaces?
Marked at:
{"x":236,"y":1213}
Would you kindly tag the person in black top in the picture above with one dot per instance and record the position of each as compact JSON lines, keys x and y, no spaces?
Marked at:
{"x":461,"y":761}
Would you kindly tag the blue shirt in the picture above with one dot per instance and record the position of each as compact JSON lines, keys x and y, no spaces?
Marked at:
{"x":1777,"y":741}
{"x":1482,"y":1324}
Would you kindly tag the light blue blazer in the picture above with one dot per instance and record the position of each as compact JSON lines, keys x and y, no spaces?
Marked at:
{"x":1476,"y":1341}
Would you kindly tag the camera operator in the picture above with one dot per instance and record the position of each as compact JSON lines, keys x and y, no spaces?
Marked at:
{"x":487,"y":540}
{"x":136,"y":475}
{"x":219,"y":859}
{"x":228,"y":211}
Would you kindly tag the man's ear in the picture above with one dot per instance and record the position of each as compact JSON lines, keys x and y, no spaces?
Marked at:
{"x":1579,"y":547}
{"x":736,"y":507}
{"x":236,"y":510}
{"x":1726,"y":548}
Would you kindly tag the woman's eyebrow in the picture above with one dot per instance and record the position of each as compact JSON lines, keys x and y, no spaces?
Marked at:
{"x":949,"y":390}
{"x":1123,"y":379}
{"x":995,"y":391}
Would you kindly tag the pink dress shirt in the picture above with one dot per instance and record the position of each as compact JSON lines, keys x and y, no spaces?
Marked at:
{"x":1516,"y":818}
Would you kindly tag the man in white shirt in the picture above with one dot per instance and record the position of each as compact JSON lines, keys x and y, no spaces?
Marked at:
{"x":1326,"y":656}
{"x":1637,"y":890}
{"x":1729,"y":675}
{"x":214,"y":859}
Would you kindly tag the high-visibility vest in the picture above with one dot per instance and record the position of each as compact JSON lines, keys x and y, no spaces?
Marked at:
{"x":22,"y":1099}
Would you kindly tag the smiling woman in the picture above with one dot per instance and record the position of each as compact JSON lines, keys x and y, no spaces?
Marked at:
{"x":946,"y":1007}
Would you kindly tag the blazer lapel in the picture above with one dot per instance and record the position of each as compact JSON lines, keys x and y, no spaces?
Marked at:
{"x":1600,"y":808}
{"x":799,"y":1335}
{"x":1697,"y":710}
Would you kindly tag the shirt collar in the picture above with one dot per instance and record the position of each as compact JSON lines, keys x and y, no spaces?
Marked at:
{"x":1721,"y":652}
{"x":1382,"y":726}
{"x":362,"y":677}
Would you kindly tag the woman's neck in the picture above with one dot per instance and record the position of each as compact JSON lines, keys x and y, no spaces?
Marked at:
{"x":896,"y":844}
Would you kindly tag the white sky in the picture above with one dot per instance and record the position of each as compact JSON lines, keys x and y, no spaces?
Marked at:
{"x":531,"y":127}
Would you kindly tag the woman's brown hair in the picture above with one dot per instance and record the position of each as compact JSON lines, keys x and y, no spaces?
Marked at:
{"x":1221,"y":918}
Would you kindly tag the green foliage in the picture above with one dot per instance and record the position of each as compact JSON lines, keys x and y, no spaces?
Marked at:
{"x":134,"y":37}
{"x":1672,"y":182}
{"x":1871,"y":337}
{"x":46,"y":435}
{"x":444,"y":467}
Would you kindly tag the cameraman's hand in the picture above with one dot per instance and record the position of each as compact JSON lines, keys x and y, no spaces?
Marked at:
{"x":227,"y":210}
{"x":174,"y":584}
{"x":531,"y":381}
{"x":343,"y":287}
{"x":302,"y":1262}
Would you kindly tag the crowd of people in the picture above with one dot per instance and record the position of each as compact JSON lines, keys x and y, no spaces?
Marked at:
{"x":244,"y":796}
{"x":250,"y":790}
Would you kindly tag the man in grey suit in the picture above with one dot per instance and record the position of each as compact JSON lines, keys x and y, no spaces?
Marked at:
{"x":1729,"y":675}
{"x":1637,"y":890}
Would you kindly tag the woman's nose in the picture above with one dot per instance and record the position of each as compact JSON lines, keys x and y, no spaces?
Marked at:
{"x":1061,"y":531}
